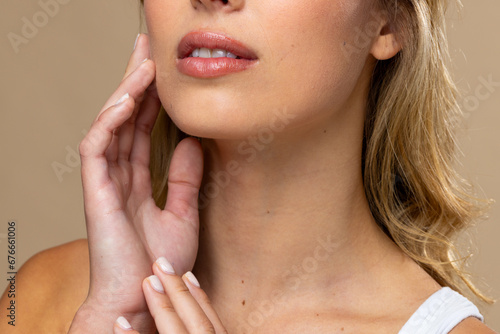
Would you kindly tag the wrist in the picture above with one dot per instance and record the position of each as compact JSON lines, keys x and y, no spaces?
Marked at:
{"x":96,"y":319}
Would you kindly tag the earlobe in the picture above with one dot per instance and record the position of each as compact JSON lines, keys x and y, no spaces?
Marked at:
{"x":386,"y":45}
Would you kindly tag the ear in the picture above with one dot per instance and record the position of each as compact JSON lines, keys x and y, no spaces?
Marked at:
{"x":385,"y":44}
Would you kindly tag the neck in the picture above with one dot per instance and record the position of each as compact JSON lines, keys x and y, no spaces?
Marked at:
{"x":291,"y":219}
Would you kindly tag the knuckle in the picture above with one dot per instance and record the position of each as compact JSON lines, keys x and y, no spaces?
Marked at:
{"x":99,"y":122}
{"x":167,"y":307}
{"x":144,"y":128}
{"x":205,"y":300}
{"x":84,"y":147}
{"x":87,"y":145}
{"x":206,"y":326}
{"x":182,"y":289}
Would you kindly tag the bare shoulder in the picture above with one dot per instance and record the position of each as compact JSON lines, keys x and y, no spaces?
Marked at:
{"x":472,"y":325}
{"x":49,"y":289}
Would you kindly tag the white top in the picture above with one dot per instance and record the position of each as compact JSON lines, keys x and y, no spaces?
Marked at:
{"x":439,"y":314}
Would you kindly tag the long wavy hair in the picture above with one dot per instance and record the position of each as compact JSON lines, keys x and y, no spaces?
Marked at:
{"x":409,"y":152}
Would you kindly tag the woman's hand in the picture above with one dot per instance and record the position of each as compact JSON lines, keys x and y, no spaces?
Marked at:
{"x":126,"y":231}
{"x":178,"y":305}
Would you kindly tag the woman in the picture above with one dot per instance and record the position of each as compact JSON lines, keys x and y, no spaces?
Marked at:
{"x":317,"y":197}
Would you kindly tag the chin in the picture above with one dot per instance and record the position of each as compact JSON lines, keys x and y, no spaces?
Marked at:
{"x":207,"y":120}
{"x":211,"y":112}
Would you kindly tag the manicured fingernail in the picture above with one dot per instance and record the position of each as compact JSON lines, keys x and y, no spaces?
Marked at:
{"x":121,"y":99}
{"x":189,"y":275}
{"x":123,"y":323}
{"x":156,"y":284}
{"x":165,"y":266}
{"x":135,"y":43}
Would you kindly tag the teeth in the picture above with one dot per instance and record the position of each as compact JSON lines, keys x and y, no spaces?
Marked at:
{"x":208,"y":53}
{"x":218,"y":53}
{"x":205,"y":53}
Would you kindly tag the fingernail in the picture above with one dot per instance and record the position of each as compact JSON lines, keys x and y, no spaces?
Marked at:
{"x":121,"y":99}
{"x":135,"y":43}
{"x":123,"y":323}
{"x":165,"y":266}
{"x":155,"y":283}
{"x":189,"y":275}
{"x":145,"y":60}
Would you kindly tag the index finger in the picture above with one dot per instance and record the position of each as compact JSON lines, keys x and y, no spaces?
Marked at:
{"x":140,"y":53}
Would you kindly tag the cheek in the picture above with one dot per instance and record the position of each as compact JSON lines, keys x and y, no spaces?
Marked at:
{"x":310,"y":59}
{"x":165,"y":29}
{"x":161,"y":28}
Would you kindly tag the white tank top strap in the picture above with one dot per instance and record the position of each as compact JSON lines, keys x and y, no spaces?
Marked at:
{"x":440,"y":313}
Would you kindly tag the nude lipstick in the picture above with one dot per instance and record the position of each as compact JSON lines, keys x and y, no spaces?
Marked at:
{"x":210,"y":55}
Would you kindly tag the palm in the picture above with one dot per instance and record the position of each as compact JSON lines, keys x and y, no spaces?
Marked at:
{"x":161,"y":232}
{"x":126,"y":230}
{"x":137,"y":231}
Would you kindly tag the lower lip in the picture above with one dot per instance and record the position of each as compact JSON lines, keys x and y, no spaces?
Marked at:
{"x":212,"y":67}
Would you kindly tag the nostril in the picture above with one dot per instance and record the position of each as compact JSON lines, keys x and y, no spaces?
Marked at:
{"x":225,"y":2}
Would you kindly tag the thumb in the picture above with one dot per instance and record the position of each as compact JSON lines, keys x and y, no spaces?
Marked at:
{"x":184,"y":180}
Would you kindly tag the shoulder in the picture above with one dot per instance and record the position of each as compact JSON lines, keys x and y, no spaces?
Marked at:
{"x":472,"y":325}
{"x":49,"y":289}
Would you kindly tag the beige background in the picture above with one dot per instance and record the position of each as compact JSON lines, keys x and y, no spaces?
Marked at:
{"x":53,"y":87}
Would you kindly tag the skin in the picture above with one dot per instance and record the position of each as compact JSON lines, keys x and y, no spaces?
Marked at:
{"x":291,"y":60}
{"x":289,"y":244}
{"x":310,"y":172}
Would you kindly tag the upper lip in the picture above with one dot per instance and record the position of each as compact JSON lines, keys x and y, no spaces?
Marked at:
{"x":212,"y":40}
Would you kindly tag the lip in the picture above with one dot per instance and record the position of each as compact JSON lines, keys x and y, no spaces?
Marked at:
{"x":213,"y":67}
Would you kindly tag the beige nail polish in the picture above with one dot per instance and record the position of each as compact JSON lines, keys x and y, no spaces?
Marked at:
{"x":189,"y":275}
{"x":156,"y":283}
{"x":123,"y":323}
{"x":165,"y":266}
{"x":121,"y":99}
{"x":136,"y":39}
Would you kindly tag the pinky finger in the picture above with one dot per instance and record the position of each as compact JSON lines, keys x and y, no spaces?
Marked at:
{"x":122,"y":326}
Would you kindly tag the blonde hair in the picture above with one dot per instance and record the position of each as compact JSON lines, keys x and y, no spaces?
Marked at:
{"x":414,"y":192}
